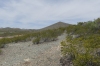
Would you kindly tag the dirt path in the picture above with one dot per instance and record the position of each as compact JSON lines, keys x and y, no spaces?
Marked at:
{"x":26,"y":54}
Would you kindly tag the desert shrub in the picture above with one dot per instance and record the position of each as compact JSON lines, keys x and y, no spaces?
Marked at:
{"x":36,"y":40}
{"x":2,"y":43}
{"x":85,"y":60}
{"x":80,"y":23}
{"x":23,"y":38}
{"x":84,"y":50}
{"x":47,"y":35}
{"x":0,"y":51}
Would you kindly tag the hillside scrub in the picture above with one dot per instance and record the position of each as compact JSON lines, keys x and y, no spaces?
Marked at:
{"x":39,"y":36}
{"x":15,"y":39}
{"x":36,"y":37}
{"x":83,"y":50}
{"x":47,"y":35}
{"x":8,"y":32}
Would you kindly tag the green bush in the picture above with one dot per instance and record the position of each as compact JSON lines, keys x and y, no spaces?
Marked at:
{"x":84,"y":48}
{"x":47,"y":35}
{"x":36,"y":40}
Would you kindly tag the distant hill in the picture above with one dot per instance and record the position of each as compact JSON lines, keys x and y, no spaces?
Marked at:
{"x":8,"y":29}
{"x":56,"y":25}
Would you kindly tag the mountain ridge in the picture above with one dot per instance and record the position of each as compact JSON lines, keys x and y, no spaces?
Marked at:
{"x":52,"y":26}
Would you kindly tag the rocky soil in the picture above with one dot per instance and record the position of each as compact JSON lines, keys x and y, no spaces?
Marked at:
{"x":27,"y":54}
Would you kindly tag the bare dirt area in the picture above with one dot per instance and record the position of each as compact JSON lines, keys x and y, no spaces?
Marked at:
{"x":27,"y":54}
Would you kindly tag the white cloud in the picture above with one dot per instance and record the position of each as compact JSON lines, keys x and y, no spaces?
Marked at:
{"x":38,"y":11}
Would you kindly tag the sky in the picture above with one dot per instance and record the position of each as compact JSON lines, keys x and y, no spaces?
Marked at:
{"x":36,"y":14}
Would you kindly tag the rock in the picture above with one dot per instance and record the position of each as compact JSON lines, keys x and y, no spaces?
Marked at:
{"x":26,"y":60}
{"x":75,"y":36}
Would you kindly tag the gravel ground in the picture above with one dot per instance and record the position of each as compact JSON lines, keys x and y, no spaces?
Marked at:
{"x":26,"y":54}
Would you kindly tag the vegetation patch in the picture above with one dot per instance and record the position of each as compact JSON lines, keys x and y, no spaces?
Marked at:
{"x":0,"y":51}
{"x":83,"y":50}
{"x":47,"y":35}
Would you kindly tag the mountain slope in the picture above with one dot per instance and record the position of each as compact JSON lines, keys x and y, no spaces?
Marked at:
{"x":56,"y":25}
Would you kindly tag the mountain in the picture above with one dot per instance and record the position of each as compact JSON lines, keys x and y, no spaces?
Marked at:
{"x":56,"y":25}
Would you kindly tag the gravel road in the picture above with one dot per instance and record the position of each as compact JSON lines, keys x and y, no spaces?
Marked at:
{"x":27,"y":54}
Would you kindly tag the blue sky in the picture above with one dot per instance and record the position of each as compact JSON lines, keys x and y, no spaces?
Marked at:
{"x":35,"y":14}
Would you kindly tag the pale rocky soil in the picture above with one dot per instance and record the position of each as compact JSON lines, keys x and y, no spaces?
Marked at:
{"x":27,"y":54}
